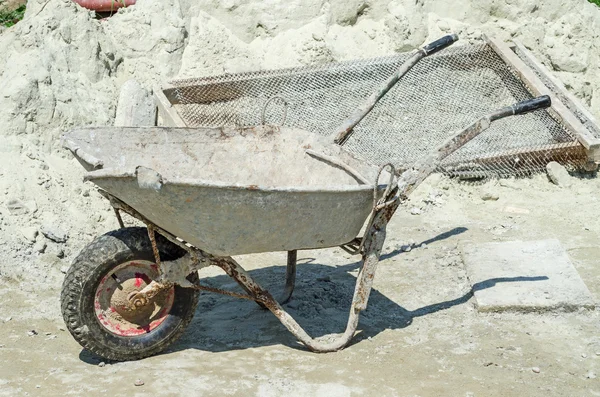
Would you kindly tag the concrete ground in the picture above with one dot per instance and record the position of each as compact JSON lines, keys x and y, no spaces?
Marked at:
{"x":531,"y":275}
{"x":421,"y":335}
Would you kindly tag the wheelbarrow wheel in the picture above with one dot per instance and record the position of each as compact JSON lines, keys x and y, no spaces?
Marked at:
{"x":95,"y":297}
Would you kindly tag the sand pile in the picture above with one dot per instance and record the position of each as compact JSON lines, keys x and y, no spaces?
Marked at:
{"x":229,"y":36}
{"x":61,"y":67}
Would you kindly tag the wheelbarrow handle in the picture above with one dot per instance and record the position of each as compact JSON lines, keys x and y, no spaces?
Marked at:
{"x":541,"y":102}
{"x":341,"y":134}
{"x":464,"y":136}
{"x":439,"y":44}
{"x":410,"y":179}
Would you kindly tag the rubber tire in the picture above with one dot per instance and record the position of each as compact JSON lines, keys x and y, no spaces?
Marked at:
{"x":79,"y":288}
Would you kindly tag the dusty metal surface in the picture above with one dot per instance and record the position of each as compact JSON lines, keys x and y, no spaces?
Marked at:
{"x":232,"y":192}
{"x":374,"y":238}
{"x":370,"y":248}
{"x":199,"y":259}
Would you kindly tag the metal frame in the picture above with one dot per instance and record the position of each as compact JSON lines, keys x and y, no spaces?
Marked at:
{"x":537,"y":87}
{"x":373,"y":243}
{"x":369,"y":246}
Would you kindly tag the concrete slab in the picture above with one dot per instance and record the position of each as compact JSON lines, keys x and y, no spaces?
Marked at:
{"x":524,"y":276}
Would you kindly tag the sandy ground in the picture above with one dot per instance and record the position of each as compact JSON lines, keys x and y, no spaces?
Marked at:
{"x":421,"y":335}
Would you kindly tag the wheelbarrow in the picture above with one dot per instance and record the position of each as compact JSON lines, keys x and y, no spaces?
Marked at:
{"x":209,"y":193}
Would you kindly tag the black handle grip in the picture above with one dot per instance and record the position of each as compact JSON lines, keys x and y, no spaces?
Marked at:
{"x":439,"y":44}
{"x":530,"y":105}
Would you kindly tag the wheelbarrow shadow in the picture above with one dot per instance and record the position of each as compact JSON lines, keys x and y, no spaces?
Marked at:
{"x":320,"y":304}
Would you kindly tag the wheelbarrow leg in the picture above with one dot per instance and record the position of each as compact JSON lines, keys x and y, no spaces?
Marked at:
{"x":119,"y":219}
{"x":374,"y":240}
{"x":290,"y":280}
{"x":373,"y":243}
{"x":290,"y":277}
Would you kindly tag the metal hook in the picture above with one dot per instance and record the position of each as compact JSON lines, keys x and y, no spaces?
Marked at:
{"x":382,"y":203}
{"x":285,"y":108}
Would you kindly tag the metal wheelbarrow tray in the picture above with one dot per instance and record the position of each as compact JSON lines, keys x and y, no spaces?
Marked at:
{"x":288,"y":200}
{"x":205,"y":194}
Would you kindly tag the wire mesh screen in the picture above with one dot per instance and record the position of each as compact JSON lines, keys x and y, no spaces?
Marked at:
{"x":441,"y":95}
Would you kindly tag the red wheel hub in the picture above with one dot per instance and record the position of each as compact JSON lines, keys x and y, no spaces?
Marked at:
{"x":112,"y":305}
